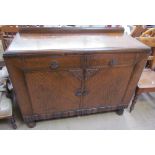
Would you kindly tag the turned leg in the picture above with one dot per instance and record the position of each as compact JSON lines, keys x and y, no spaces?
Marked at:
{"x":12,"y":122}
{"x":134,"y":100}
{"x":31,"y":124}
{"x":120,"y":111}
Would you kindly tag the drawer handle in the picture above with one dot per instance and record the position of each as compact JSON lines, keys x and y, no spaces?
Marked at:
{"x":54,"y":65}
{"x":113,"y":62}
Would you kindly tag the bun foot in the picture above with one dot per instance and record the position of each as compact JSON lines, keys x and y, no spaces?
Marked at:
{"x":120,"y":111}
{"x":31,"y":124}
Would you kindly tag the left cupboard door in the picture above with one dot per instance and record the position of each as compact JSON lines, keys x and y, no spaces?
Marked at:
{"x":52,"y":91}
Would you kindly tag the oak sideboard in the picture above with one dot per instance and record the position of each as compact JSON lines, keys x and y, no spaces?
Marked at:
{"x":73,"y":71}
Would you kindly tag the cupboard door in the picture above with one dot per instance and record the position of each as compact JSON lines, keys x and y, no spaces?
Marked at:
{"x":107,"y":87}
{"x":53,"y":91}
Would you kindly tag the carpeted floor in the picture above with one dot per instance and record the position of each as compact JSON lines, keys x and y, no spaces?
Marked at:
{"x":143,"y":117}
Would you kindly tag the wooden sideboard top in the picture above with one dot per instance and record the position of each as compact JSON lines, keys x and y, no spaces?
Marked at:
{"x":71,"y":42}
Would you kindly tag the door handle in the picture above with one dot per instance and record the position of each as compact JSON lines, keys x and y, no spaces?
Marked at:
{"x":85,"y":93}
{"x":79,"y":92}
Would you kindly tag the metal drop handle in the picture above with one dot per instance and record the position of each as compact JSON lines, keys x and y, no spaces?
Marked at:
{"x":113,"y":62}
{"x":78,"y":92}
{"x":54,"y":65}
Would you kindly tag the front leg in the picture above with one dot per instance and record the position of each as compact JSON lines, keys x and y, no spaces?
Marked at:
{"x":120,"y":111}
{"x":30,"y":121}
{"x":134,"y":99}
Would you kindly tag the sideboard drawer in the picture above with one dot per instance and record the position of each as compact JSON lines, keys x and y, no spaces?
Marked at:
{"x":51,"y":62}
{"x":111,"y":59}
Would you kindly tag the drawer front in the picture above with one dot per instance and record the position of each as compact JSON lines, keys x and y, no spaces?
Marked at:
{"x":71,"y":61}
{"x":51,"y":62}
{"x":111,"y":59}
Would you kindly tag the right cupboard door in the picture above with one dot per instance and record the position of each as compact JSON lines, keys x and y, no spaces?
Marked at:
{"x":106,"y":79}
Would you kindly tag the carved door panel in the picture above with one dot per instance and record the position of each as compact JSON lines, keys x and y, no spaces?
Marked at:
{"x":106,"y":87}
{"x":53,"y":91}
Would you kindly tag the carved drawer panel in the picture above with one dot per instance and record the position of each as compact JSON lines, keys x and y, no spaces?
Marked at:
{"x":52,"y":62}
{"x":103,"y":60}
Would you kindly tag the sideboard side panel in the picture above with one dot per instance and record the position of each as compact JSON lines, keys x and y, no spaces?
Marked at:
{"x":17,"y":78}
{"x":139,"y":66}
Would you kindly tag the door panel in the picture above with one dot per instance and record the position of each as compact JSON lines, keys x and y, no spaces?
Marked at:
{"x":106,"y":86}
{"x":53,"y":91}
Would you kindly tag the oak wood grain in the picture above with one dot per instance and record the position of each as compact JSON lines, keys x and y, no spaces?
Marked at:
{"x":74,"y":73}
